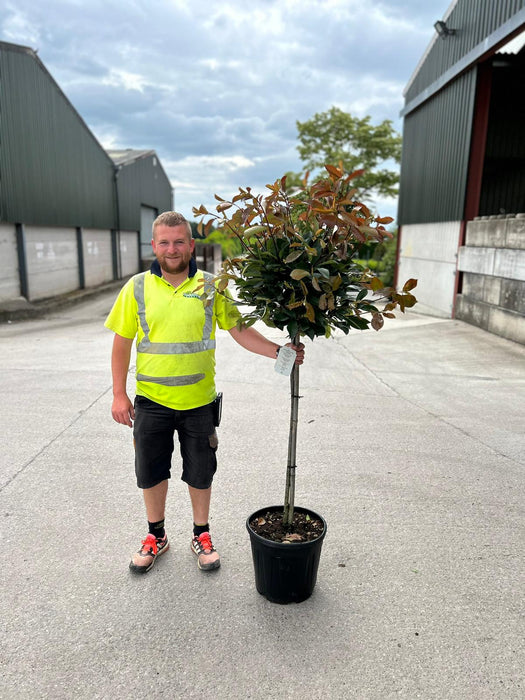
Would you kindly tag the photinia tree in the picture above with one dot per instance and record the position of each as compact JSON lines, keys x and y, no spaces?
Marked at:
{"x":297,"y":270}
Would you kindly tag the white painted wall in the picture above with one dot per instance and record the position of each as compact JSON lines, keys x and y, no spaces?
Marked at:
{"x":9,"y":277}
{"x":52,"y":261}
{"x":98,"y":266}
{"x":129,"y":253}
{"x":428,"y":252}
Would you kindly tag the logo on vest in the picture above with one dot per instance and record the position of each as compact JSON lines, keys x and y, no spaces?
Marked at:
{"x":190,"y":295}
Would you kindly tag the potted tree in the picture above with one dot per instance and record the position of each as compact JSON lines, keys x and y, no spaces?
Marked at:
{"x":297,"y":273}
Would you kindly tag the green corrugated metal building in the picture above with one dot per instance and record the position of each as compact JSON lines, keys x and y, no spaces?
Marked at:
{"x":462,"y":188}
{"x":57,"y":180}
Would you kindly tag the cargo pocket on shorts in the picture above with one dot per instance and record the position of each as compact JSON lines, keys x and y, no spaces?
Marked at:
{"x":213,"y":440}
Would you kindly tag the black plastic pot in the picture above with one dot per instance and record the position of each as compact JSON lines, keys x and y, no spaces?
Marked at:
{"x":285,"y":573}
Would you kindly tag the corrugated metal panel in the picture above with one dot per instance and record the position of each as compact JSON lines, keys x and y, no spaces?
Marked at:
{"x":52,"y":169}
{"x":142,"y":182}
{"x":434,"y":166}
{"x":474,"y":21}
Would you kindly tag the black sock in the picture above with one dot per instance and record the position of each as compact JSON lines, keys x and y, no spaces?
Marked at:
{"x":199,"y":529}
{"x":157,"y":529}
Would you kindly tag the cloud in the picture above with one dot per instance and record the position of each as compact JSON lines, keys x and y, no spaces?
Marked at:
{"x":216,"y":88}
{"x":17,"y":26}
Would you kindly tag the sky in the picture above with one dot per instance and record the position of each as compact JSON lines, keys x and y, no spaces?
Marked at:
{"x":216,"y":88}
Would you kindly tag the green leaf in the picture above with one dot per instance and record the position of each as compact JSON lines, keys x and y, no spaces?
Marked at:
{"x":362,"y":294}
{"x":254,"y":230}
{"x":310,"y":312}
{"x":299,"y":274}
{"x":336,"y":283}
{"x":292,"y":329}
{"x":315,"y":284}
{"x":293,"y":256}
{"x":356,"y":322}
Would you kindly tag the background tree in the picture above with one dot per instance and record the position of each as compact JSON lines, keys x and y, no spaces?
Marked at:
{"x":195,"y":231}
{"x":380,"y":258}
{"x":230,"y":244}
{"x":335,"y":136}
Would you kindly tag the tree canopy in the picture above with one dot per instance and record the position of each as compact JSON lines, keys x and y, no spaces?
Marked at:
{"x":335,"y":136}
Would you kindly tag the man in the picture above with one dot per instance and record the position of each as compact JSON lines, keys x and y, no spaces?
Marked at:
{"x":175,"y":374}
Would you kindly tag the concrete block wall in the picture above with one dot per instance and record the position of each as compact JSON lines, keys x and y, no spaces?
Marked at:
{"x":39,"y":262}
{"x":492,"y":263}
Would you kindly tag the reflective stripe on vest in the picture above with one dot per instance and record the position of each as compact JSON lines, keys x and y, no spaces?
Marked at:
{"x":148,"y":347}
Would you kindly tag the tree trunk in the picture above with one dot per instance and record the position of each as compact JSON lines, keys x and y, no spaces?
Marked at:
{"x":289,"y":494}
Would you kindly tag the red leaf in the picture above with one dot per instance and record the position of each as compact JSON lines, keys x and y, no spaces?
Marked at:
{"x":377,"y":322}
{"x":335,"y":172}
{"x":409,"y":284}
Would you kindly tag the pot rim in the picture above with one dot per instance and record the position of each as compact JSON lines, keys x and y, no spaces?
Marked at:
{"x":280,"y":545}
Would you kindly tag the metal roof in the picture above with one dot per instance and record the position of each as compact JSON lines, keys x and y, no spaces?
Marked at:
{"x":128,"y":155}
{"x":482,"y":27}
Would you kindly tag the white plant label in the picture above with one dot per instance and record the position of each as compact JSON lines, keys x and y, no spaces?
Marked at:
{"x":285,"y":361}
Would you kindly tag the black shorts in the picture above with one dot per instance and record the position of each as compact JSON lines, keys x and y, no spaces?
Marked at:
{"x":153,"y":432}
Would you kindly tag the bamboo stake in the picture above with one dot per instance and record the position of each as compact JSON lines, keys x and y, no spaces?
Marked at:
{"x":289,"y":494}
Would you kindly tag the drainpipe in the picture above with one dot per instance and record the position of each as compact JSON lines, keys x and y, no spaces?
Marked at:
{"x":22,"y":260}
{"x":398,"y":253}
{"x":117,"y":265}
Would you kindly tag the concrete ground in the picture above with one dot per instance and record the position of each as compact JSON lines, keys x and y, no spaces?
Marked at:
{"x":411,"y":445}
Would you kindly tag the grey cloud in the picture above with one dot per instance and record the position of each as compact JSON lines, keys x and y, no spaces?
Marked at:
{"x":223,"y":79}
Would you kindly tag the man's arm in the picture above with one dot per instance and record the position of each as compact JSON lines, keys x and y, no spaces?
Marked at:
{"x":122,"y":409}
{"x":252,"y":340}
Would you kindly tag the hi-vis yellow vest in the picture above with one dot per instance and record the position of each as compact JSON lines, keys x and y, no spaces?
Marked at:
{"x":175,"y":335}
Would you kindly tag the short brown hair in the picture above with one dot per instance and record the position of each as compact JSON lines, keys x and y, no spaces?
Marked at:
{"x":171,"y":218}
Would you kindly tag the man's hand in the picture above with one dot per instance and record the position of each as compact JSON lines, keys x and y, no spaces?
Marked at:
{"x":299,"y":349}
{"x":122,"y":410}
{"x":252,"y":340}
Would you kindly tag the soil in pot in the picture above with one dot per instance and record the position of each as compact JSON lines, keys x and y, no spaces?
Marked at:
{"x":304,"y":528}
